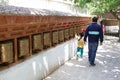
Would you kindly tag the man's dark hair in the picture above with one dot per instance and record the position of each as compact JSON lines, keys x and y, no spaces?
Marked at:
{"x":94,"y":19}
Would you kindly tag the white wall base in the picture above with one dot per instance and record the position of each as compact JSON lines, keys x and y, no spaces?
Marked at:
{"x":42,"y":64}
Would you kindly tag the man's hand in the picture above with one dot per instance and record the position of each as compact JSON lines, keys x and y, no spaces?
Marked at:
{"x":84,"y":42}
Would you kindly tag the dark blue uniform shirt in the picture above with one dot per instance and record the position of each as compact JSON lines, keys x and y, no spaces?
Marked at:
{"x":94,"y":33}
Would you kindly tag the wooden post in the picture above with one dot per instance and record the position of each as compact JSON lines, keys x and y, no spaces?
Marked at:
{"x":42,"y":40}
{"x":119,"y":29}
{"x":51,"y":38}
{"x":30,"y":45}
{"x":15,"y":50}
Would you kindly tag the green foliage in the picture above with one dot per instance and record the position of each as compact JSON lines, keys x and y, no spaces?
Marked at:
{"x":98,"y":6}
{"x":115,"y":4}
{"x":4,"y":2}
{"x":81,"y":3}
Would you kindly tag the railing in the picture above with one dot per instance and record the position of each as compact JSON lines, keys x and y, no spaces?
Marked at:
{"x":21,"y":35}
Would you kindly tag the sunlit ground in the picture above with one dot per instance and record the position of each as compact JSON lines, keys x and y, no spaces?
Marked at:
{"x":107,"y":64}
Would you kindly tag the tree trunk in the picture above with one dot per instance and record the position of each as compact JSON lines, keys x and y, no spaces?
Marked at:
{"x":115,"y":14}
{"x":119,"y":29}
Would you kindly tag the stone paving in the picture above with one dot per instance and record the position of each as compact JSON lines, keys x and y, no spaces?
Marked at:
{"x":107,"y":64}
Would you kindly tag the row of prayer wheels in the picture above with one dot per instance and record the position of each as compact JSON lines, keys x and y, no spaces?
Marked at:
{"x":21,"y":36}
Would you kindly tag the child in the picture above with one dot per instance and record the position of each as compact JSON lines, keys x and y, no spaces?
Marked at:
{"x":80,"y":44}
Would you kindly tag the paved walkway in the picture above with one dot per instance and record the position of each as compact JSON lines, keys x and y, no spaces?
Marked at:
{"x":107,"y":64}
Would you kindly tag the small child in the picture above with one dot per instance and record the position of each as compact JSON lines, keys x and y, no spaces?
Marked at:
{"x":80,"y":45}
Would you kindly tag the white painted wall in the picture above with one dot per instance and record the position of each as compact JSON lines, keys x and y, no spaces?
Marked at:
{"x":112,"y":29}
{"x":42,"y":64}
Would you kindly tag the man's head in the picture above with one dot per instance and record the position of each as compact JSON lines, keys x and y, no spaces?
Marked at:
{"x":94,"y":19}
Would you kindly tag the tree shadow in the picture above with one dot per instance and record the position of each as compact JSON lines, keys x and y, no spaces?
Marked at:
{"x":107,"y":65}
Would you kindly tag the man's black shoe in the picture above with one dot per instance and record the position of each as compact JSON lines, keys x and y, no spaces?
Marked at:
{"x":92,"y":64}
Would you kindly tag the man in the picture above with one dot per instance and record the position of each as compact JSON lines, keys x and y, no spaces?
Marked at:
{"x":94,"y":34}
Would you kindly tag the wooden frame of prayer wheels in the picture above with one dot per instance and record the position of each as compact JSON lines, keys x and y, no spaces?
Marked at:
{"x":22,"y":35}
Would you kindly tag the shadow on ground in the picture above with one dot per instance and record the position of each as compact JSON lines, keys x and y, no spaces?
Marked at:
{"x":107,"y":65}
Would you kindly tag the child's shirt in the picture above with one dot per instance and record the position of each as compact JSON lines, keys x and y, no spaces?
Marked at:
{"x":80,"y":43}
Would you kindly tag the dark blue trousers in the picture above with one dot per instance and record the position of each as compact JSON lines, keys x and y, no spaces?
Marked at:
{"x":92,"y":52}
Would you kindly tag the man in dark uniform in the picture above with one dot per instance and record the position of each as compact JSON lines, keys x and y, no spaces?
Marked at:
{"x":94,"y":34}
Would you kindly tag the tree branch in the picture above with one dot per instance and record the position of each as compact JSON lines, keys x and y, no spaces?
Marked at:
{"x":115,"y":14}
